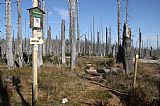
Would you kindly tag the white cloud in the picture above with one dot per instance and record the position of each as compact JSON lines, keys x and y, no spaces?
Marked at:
{"x":62,"y":12}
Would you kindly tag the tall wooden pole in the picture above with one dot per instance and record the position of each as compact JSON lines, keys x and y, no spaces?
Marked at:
{"x":72,"y":32}
{"x":35,"y":64}
{"x":9,"y":52}
{"x":19,"y":36}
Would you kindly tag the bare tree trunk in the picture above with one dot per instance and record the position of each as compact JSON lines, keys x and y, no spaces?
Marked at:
{"x":19,"y":36}
{"x":157,"y":47}
{"x":91,"y":39}
{"x":40,"y":48}
{"x":106,"y":41}
{"x":127,"y":53}
{"x":40,"y":60}
{"x":78,"y":30}
{"x":94,"y":48}
{"x":118,"y":12}
{"x":49,"y":42}
{"x":9,"y":52}
{"x":109,"y":42}
{"x":44,"y":32}
{"x":98,"y":44}
{"x":63,"y":41}
{"x":102,"y":47}
{"x":140,"y":43}
{"x":72,"y":33}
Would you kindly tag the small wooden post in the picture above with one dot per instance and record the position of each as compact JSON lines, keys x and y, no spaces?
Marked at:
{"x":135,"y":70}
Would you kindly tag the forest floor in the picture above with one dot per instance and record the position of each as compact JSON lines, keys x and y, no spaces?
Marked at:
{"x":56,"y":82}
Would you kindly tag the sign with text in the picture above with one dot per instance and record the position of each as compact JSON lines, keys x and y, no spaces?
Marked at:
{"x":36,"y":18}
{"x":36,"y":41}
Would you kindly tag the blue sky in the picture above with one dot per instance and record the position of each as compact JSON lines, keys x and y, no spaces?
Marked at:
{"x":142,"y":13}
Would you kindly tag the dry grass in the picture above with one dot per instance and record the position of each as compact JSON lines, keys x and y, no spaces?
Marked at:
{"x":58,"y":82}
{"x":54,"y":83}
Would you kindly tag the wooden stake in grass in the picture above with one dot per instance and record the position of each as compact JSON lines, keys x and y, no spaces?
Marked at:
{"x":135,"y":70}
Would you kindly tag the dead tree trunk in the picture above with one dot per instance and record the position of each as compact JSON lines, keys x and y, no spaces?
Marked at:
{"x":44,"y":31}
{"x":78,"y":29}
{"x":72,"y":32}
{"x":109,"y":42}
{"x":118,"y":13}
{"x":127,"y":53}
{"x":63,"y":41}
{"x":49,"y":42}
{"x":98,"y":44}
{"x":85,"y":40}
{"x":140,"y":44}
{"x":94,"y":48}
{"x":9,"y":52}
{"x":102,"y":46}
{"x":40,"y":48}
{"x":19,"y":36}
{"x":157,"y":47}
{"x":106,"y":41}
{"x":91,"y":39}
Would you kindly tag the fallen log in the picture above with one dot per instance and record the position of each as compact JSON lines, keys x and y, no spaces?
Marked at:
{"x":92,"y":72}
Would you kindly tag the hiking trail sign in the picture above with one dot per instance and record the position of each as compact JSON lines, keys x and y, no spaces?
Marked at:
{"x":36,"y":18}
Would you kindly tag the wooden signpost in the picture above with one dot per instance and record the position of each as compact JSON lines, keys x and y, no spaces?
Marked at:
{"x":36,"y":24}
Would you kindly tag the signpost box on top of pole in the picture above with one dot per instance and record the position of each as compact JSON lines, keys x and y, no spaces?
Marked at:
{"x":36,"y":24}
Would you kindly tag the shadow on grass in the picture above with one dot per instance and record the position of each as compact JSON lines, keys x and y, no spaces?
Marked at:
{"x":4,"y":96}
{"x":16,"y":82}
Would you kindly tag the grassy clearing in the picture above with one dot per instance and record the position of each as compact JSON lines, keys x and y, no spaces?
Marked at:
{"x":54,"y":83}
{"x":58,"y":82}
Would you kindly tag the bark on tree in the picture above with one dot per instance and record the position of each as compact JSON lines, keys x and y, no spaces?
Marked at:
{"x":78,"y":29}
{"x":94,"y":45}
{"x":140,"y":44}
{"x":127,"y":53}
{"x":109,"y":42}
{"x":72,"y":33}
{"x":9,"y":52}
{"x":98,"y":44}
{"x":106,"y":41}
{"x":63,"y":41}
{"x":118,"y":13}
{"x":40,"y":48}
{"x":19,"y":35}
{"x":49,"y":42}
{"x":44,"y":24}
